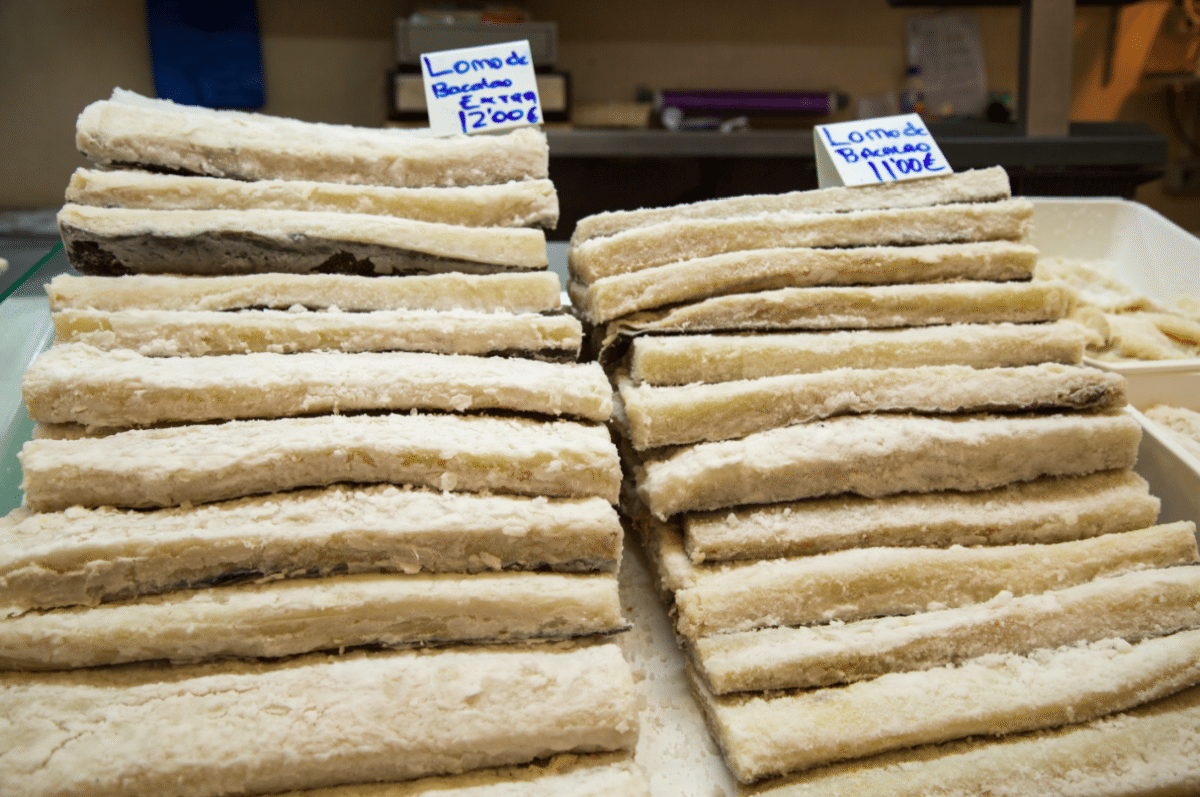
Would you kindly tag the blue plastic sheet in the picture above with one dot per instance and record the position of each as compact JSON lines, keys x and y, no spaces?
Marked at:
{"x":206,"y":52}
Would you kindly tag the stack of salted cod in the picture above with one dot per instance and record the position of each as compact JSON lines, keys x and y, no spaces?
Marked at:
{"x":319,"y":494}
{"x":894,"y":518}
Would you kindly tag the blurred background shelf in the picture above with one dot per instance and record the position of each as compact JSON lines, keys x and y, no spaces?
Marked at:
{"x":598,"y":170}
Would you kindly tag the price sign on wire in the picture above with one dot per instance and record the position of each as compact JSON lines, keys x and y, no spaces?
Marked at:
{"x":880,"y":150}
{"x":481,"y":89}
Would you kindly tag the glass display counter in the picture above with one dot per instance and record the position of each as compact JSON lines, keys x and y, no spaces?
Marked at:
{"x":25,"y":331}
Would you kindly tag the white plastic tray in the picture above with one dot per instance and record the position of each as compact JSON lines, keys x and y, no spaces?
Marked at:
{"x":1160,"y":260}
{"x":1145,"y":250}
{"x":1173,"y":473}
{"x":1174,"y":468}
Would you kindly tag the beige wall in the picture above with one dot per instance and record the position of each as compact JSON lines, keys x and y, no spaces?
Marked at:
{"x":322,"y":61}
{"x":327,"y":60}
{"x":56,"y":56}
{"x":855,"y":46}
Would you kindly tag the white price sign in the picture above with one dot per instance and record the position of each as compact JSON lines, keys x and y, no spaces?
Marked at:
{"x":880,"y":150}
{"x":479,"y":89}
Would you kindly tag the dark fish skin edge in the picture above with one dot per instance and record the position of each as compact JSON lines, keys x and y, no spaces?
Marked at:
{"x":240,"y":253}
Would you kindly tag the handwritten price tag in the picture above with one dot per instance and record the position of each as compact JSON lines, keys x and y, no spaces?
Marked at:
{"x":880,"y":150}
{"x":479,"y":89}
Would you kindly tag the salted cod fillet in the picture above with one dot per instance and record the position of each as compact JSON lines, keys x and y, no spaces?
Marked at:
{"x":300,"y":615}
{"x":993,"y":695}
{"x":872,"y":307}
{"x":662,"y":416}
{"x":875,"y":455}
{"x":113,"y":241}
{"x":315,"y":721}
{"x":1049,"y":509}
{"x":521,"y":292}
{"x":672,"y":241}
{"x":756,"y":270}
{"x":871,"y":582}
{"x":1132,"y":606}
{"x":523,"y":203}
{"x":1151,"y":749}
{"x":685,"y":359}
{"x":171,"y":466}
{"x":566,"y":775}
{"x":187,"y":333}
{"x":972,"y":185}
{"x":86,"y":556}
{"x":129,"y":129}
{"x":77,"y":383}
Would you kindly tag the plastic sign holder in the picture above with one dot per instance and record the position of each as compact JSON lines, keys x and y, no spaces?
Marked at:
{"x":481,"y":89}
{"x":880,"y":150}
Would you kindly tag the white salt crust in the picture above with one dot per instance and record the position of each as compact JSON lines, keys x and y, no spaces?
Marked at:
{"x":678,"y":415}
{"x":523,"y":203}
{"x":757,"y":270}
{"x":595,"y":775}
{"x":666,"y":360}
{"x":131,"y":129}
{"x":186,"y":333}
{"x":1052,"y":509}
{"x":86,"y":556}
{"x":315,"y":721}
{"x":869,"y":582}
{"x":875,"y":455}
{"x":973,"y":185}
{"x":1131,"y":606}
{"x":77,"y":383}
{"x":775,"y":733}
{"x":871,"y":307}
{"x":177,"y":465}
{"x":672,"y":241}
{"x":1151,"y":749}
{"x":285,"y":618}
{"x":523,"y":292}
